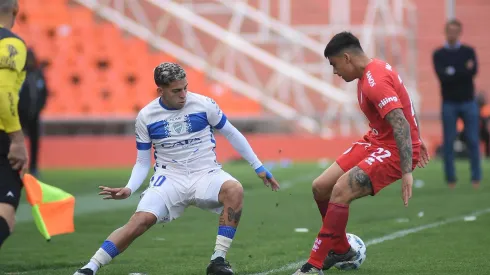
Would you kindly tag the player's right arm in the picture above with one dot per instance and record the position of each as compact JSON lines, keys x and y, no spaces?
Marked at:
{"x":143,"y":159}
{"x":140,"y":169}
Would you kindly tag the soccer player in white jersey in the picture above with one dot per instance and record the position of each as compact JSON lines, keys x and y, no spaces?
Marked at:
{"x":179,"y":126}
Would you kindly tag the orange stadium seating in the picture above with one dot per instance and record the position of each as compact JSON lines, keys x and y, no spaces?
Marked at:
{"x":95,"y":69}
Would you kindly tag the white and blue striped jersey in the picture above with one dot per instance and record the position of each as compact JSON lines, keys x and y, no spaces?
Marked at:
{"x":183,"y":138}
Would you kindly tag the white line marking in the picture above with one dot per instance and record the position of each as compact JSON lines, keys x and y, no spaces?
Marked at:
{"x":302,"y":179}
{"x":389,"y":237}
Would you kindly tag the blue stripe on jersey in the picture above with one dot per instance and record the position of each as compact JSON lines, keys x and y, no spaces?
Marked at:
{"x":158,"y":130}
{"x":196,"y":122}
{"x":143,"y":145}
{"x":221,"y":122}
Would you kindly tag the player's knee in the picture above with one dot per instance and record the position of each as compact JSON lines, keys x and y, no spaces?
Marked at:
{"x":340,"y":194}
{"x":6,"y":229}
{"x":317,"y":186}
{"x":232,"y":192}
{"x":7,"y":213}
{"x":140,"y":222}
{"x":321,"y":190}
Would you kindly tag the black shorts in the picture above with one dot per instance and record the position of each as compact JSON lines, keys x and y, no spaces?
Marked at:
{"x":10,"y":182}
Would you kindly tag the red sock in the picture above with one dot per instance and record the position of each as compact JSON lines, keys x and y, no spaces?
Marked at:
{"x":322,"y":206}
{"x":332,"y":235}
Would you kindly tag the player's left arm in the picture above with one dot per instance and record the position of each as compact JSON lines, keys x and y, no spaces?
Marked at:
{"x":403,"y":138}
{"x":218,"y":120}
{"x":390,"y":108}
{"x":388,"y":104}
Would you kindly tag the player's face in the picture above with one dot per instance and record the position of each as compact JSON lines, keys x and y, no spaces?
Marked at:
{"x":343,"y":67}
{"x":175,"y":94}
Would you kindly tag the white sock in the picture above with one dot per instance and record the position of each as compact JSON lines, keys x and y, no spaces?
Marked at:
{"x":218,"y":253}
{"x":92,"y":265}
{"x":222,"y":245}
{"x":100,"y":258}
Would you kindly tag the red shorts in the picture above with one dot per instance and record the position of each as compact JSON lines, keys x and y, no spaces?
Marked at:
{"x":381,"y":163}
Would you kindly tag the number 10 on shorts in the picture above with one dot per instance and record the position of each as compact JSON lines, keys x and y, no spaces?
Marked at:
{"x":159,"y":181}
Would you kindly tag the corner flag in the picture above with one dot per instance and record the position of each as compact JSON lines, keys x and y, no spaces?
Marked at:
{"x":52,"y":208}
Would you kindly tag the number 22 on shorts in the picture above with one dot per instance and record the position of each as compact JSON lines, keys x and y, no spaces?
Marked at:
{"x":379,"y":155}
{"x":158,"y":182}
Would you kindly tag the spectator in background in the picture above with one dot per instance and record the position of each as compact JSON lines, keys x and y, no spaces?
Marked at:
{"x":484,"y":123}
{"x":484,"y":110}
{"x":456,"y":65}
{"x":32,"y":99}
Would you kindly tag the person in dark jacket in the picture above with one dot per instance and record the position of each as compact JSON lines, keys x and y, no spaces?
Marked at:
{"x":456,"y":66}
{"x":32,"y":99}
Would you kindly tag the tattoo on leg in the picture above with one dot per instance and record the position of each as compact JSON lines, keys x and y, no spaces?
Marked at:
{"x":234,"y":216}
{"x":238,"y":215}
{"x":222,"y":220}
{"x":358,"y":177}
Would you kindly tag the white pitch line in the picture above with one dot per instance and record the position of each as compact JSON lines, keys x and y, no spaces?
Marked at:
{"x":389,"y":237}
{"x":290,"y":183}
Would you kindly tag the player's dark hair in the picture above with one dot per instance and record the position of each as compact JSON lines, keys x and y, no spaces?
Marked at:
{"x":341,"y":42}
{"x":454,"y":22}
{"x":168,"y":72}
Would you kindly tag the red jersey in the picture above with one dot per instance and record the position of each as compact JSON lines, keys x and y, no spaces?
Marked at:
{"x":379,"y":91}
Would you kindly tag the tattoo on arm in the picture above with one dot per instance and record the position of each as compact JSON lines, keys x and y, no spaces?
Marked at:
{"x":234,"y":216}
{"x":403,"y":138}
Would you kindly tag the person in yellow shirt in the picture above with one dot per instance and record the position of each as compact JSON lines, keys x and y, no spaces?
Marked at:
{"x":13,"y":153}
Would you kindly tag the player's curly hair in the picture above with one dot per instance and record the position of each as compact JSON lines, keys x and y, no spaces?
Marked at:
{"x":168,"y":72}
{"x":340,"y":42}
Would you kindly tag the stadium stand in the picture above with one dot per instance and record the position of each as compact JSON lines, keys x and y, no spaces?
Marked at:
{"x":94,"y":69}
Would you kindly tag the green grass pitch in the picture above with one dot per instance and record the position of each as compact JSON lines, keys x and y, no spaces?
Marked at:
{"x":266,"y":239}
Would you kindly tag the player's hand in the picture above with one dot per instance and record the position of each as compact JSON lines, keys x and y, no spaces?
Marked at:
{"x":267,"y":177}
{"x":407,"y":182}
{"x":114,"y":193}
{"x":18,"y":156}
{"x":470,"y":64}
{"x":424,"y":156}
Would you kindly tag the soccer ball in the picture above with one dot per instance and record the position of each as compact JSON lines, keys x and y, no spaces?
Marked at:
{"x":358,"y":245}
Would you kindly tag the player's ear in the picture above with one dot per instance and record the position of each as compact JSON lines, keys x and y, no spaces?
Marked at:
{"x":347,"y":57}
{"x":160,"y":91}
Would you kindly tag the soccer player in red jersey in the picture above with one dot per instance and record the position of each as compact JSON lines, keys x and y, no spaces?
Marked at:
{"x":388,"y":152}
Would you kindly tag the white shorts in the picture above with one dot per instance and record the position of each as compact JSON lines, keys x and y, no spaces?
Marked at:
{"x":171,"y":192}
